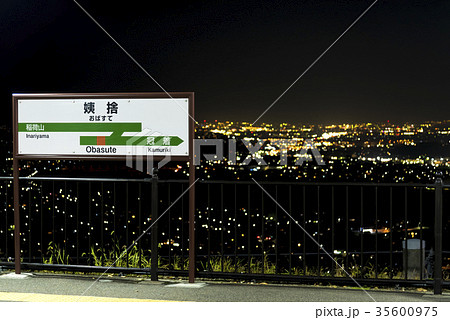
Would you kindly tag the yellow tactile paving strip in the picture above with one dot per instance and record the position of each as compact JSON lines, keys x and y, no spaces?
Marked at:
{"x":43,"y":297}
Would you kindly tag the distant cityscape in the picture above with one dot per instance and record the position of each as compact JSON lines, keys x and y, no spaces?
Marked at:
{"x":370,"y":152}
{"x":366,"y":152}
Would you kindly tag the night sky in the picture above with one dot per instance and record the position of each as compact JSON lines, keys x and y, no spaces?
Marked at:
{"x":239,"y":56}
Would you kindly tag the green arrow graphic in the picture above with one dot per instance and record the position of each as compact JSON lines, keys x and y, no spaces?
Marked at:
{"x":131,"y":141}
{"x":115,"y":139}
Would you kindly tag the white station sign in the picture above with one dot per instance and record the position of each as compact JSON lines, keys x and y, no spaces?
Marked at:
{"x":103,"y":127}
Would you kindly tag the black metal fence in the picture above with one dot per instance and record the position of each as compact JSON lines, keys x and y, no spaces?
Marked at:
{"x":294,"y":232}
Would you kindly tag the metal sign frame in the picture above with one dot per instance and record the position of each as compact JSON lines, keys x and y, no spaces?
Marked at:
{"x":65,"y":96}
{"x":136,"y":95}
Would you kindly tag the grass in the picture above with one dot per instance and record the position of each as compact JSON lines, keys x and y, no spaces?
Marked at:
{"x":138,"y":258}
{"x":134,"y":258}
{"x":57,"y":254}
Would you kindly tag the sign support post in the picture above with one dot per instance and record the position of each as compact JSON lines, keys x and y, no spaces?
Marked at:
{"x":154,"y":231}
{"x":191,"y":219}
{"x":16,"y":215}
{"x":192,"y":196}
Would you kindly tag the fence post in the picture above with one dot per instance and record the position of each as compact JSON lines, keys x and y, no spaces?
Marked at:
{"x":154,"y":231}
{"x":438,"y":235}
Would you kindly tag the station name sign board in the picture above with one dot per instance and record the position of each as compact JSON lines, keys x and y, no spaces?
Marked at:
{"x":115,"y":126}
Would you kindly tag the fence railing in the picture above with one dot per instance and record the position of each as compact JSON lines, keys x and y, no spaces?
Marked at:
{"x":284,"y":231}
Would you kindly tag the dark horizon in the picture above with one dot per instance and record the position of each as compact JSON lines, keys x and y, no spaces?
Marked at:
{"x":239,"y":57}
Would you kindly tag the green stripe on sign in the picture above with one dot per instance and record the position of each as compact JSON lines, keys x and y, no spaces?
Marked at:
{"x":117,"y":127}
{"x":160,"y":141}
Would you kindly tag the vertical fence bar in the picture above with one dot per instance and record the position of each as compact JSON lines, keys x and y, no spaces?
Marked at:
{"x":277,"y":240}
{"x":102,"y":217}
{"x":78,"y":223}
{"x":53,"y":212}
{"x":362,"y":233}
{"x":182,"y":228}
{"x":208,"y":202}
{"x":6,"y":219}
{"x":115,"y":209}
{"x":262,"y":231}
{"x":169,"y":226}
{"x":235,"y":230}
{"x":391,"y":273}
{"x":346,"y":230}
{"x":406,"y":235}
{"x":89,"y":217}
{"x":29,"y":222}
{"x":139,"y":245}
{"x":437,"y":288}
{"x":221,"y":229}
{"x":65,"y":215}
{"x":290,"y":230}
{"x":420,"y":232}
{"x":248,"y":230}
{"x":42,"y":224}
{"x":304,"y":232}
{"x":318,"y":230}
{"x":333,"y":265}
{"x":376,"y":232}
{"x":126,"y":221}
